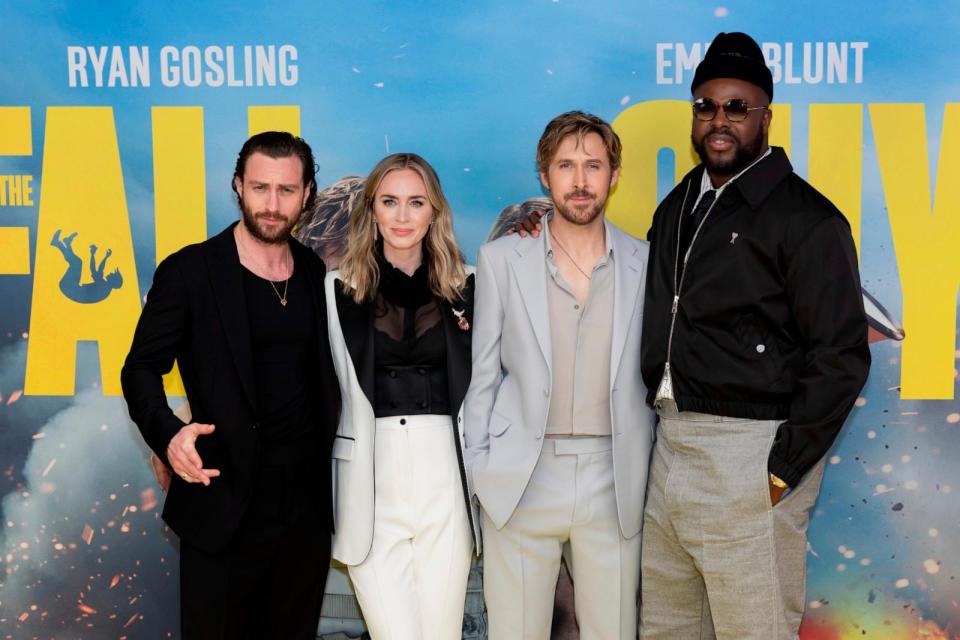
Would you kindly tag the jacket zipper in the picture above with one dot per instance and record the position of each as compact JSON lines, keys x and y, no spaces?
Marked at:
{"x":677,"y":285}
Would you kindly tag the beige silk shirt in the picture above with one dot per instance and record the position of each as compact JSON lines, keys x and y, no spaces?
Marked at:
{"x":580,"y":339}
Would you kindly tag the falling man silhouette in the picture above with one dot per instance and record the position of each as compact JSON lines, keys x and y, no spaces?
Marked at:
{"x":90,"y":292}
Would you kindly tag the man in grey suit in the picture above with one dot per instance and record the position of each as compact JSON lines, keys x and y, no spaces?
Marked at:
{"x":558,"y":436}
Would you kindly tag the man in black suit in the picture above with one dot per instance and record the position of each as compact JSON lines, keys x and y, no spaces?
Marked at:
{"x":244,"y":317}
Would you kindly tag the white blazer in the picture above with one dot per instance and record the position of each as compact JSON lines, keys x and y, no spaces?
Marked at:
{"x":351,"y":342}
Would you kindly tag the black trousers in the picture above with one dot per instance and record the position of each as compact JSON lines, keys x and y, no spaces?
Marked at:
{"x":269,"y":581}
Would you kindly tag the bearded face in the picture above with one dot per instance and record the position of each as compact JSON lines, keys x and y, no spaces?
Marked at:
{"x":726,"y":147}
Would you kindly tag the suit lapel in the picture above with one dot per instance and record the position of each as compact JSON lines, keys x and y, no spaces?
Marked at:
{"x":457,"y":339}
{"x":530,"y":270}
{"x":301,"y":260}
{"x":223,"y":265}
{"x":628,"y":274}
{"x":356,"y":324}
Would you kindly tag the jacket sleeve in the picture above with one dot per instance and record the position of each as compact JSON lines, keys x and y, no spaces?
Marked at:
{"x":823,"y":287}
{"x":486,"y":371}
{"x":160,"y":331}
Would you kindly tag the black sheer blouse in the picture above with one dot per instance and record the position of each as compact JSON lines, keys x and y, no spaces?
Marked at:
{"x":410,"y":358}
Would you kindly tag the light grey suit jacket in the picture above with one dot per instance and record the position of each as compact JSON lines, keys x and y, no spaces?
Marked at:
{"x":505,"y":411}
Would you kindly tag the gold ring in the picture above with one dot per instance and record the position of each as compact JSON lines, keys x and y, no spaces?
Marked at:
{"x":185,"y":476}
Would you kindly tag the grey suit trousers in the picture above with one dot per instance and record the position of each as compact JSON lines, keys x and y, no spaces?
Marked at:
{"x":718,"y":560}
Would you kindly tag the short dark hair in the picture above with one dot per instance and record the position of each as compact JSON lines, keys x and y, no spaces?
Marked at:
{"x":577,"y":123}
{"x":279,"y":144}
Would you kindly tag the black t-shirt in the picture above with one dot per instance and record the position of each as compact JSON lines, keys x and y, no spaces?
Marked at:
{"x":284,"y":344}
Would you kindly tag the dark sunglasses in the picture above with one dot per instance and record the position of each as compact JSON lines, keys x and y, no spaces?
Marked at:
{"x":735,"y":109}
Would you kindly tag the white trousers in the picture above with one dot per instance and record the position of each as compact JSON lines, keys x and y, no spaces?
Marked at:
{"x":413,"y":584}
{"x":570,"y":500}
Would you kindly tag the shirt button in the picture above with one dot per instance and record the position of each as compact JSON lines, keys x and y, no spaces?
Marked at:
{"x":546,"y":393}
{"x":761,"y":348}
{"x":403,"y":421}
{"x":576,"y":306}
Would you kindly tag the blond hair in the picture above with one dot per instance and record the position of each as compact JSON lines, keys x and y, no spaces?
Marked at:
{"x":579,"y":124}
{"x":446,"y":266}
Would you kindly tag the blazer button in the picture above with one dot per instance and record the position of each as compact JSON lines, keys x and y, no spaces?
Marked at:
{"x":393,"y":374}
{"x":403,"y":421}
{"x":254,"y":425}
{"x":422,"y":372}
{"x":546,"y":393}
{"x":423,"y":405}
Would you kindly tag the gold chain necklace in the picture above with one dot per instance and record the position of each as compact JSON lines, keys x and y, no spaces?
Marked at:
{"x":283,"y":298}
{"x":569,"y":257}
{"x":286,"y":283}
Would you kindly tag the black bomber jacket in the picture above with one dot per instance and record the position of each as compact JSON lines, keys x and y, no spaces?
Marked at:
{"x":769,"y":313}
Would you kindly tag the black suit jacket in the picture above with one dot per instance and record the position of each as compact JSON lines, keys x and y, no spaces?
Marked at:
{"x":196,"y":315}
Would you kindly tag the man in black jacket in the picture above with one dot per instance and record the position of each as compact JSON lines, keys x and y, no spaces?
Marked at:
{"x":243,"y":315}
{"x":754,"y":350}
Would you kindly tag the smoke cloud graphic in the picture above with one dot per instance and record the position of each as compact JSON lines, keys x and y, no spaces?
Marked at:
{"x":84,"y":551}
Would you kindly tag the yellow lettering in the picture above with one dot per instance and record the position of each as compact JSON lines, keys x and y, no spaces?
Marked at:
{"x":179,"y":178}
{"x":83,"y":194}
{"x":27,"y":191}
{"x":780,"y":126}
{"x":15,"y":135}
{"x":273,"y":118}
{"x":180,"y":191}
{"x":15,"y":140}
{"x":645,"y":129}
{"x":14,"y":251}
{"x":925,"y":242}
{"x":836,"y":158}
{"x":16,"y":191}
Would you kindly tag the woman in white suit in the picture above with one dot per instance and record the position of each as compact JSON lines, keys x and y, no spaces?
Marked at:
{"x":400,"y":309}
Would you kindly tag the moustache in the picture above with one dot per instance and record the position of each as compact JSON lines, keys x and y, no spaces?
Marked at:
{"x":580,"y":194}
{"x":723,"y":131}
{"x":268,"y":215}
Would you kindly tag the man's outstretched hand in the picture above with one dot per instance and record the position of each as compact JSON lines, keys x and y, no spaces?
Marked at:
{"x":183,"y":457}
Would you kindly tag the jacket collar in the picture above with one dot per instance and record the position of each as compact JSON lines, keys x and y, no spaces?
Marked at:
{"x":356,"y":325}
{"x":226,"y":277}
{"x":757,"y":183}
{"x":459,"y":356}
{"x":530,"y":270}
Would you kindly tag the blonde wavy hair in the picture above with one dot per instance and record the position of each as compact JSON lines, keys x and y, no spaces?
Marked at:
{"x":446,"y":266}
